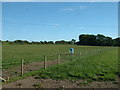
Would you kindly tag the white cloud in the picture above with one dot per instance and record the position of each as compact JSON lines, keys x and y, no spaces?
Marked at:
{"x":67,"y":9}
{"x":74,"y":9}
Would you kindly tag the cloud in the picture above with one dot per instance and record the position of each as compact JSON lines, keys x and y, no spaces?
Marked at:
{"x":67,"y":9}
{"x":74,"y":9}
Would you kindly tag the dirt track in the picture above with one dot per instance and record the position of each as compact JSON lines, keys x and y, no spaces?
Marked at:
{"x":30,"y":82}
{"x":15,"y":71}
{"x":49,"y":83}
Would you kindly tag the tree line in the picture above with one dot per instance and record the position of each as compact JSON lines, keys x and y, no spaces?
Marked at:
{"x":36,"y":42}
{"x":97,"y":40}
{"x":84,"y":39}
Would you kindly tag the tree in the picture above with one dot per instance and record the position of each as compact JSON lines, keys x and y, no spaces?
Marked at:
{"x":87,"y":39}
{"x":116,"y":42}
{"x":41,"y":42}
{"x":108,"y":41}
{"x":50,"y":42}
{"x":18,"y":42}
{"x":73,"y":41}
{"x":60,"y":42}
{"x":45,"y":42}
{"x":97,"y":40}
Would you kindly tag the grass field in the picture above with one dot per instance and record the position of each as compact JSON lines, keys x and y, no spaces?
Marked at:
{"x":12,"y":54}
{"x":101,"y":67}
{"x":95,"y":66}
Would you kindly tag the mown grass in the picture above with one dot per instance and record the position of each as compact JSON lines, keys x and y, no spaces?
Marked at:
{"x":12,"y":54}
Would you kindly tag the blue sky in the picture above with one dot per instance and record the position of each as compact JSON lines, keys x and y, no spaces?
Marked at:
{"x":52,"y":21}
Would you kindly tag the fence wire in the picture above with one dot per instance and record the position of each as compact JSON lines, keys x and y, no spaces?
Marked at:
{"x":49,"y":60}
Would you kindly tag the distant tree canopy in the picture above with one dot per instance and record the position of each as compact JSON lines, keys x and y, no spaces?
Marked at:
{"x":84,"y":39}
{"x":40,"y":42}
{"x":97,"y":40}
{"x":65,"y":42}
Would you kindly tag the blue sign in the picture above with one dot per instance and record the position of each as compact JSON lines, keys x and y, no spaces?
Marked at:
{"x":71,"y":50}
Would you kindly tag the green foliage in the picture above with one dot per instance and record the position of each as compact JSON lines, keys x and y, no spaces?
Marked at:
{"x":98,"y":40}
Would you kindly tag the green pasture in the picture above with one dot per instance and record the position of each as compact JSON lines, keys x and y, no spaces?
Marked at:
{"x":95,"y":66}
{"x":12,"y":54}
{"x":100,"y":67}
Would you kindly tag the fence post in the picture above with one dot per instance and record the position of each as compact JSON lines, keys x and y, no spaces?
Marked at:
{"x":8,"y":78}
{"x":45,"y":58}
{"x":59,"y":56}
{"x":22,"y":63}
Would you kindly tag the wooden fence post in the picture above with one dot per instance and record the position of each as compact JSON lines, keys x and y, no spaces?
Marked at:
{"x":45,"y":58}
{"x":8,"y":78}
{"x":22,"y":63}
{"x":59,"y":56}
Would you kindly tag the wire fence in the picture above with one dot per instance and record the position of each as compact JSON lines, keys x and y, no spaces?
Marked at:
{"x":48,"y":60}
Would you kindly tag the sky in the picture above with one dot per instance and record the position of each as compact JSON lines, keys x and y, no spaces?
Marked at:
{"x":60,"y":0}
{"x":53,"y":21}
